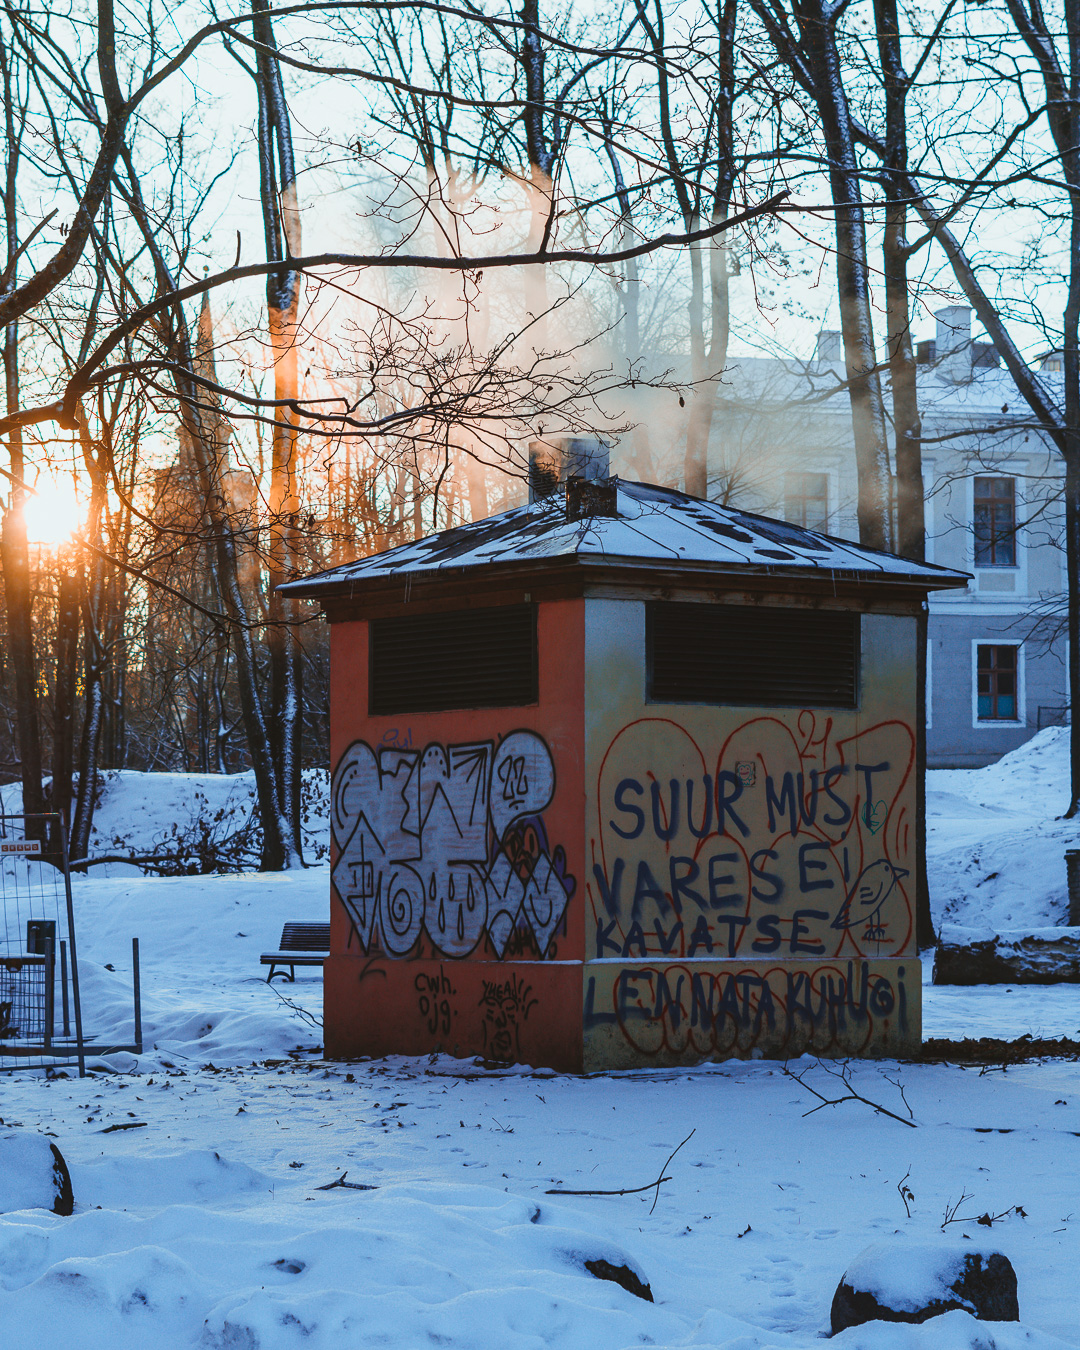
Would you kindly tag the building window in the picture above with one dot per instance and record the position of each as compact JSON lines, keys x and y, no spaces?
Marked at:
{"x":995,"y":522}
{"x":806,"y":500}
{"x":998,"y":683}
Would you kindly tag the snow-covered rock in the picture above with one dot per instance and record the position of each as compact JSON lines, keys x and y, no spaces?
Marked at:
{"x":33,"y":1174}
{"x":1016,"y":956}
{"x":912,"y":1282}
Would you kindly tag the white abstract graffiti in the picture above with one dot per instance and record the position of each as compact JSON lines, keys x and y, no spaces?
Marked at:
{"x":449,"y":841}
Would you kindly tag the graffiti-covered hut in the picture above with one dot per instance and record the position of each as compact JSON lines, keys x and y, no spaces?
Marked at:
{"x":624,"y":777}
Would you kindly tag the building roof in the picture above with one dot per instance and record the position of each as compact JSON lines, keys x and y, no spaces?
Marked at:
{"x":656,"y":527}
{"x":806,"y":388}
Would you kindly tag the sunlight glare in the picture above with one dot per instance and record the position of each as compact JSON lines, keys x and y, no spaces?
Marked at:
{"x":54,"y":515}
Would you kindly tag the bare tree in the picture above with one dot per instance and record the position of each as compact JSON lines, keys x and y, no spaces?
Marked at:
{"x":701,"y":171}
{"x":806,"y":41}
{"x":281,"y":226}
{"x":14,"y":550}
{"x":1054,"y":170}
{"x":110,"y":309}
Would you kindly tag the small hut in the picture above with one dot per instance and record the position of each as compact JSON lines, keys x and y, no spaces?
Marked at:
{"x":624,"y":778}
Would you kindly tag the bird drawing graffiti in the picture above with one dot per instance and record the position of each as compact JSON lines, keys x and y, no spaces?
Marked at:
{"x":873,"y":887}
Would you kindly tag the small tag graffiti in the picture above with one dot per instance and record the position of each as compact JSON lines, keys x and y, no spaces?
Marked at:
{"x":875,"y":816}
{"x":434,"y":994}
{"x":506,"y":1005}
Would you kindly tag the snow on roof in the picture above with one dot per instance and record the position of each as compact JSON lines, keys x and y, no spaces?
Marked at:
{"x":654,"y":525}
{"x":754,"y":384}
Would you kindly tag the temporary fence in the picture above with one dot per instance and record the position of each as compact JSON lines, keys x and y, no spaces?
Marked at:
{"x":41,"y":1019}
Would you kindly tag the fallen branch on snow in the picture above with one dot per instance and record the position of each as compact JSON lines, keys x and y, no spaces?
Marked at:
{"x":850,"y":1096}
{"x":311,"y":1018}
{"x":631,"y":1190}
{"x":346,"y":1185}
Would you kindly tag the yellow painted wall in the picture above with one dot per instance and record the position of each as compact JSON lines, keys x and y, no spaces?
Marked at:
{"x":660,"y":1013}
{"x":781,"y":841}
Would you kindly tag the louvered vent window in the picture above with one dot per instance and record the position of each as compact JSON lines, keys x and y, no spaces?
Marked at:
{"x":466,"y":658}
{"x":792,"y":658}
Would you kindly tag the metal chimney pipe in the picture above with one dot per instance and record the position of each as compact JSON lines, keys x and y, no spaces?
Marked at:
{"x":554,"y":460}
{"x":829,"y":346}
{"x":545,"y":469}
{"x":954,"y":343}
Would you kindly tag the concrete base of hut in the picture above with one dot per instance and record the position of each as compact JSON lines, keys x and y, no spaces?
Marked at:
{"x":602,"y":1015}
{"x":510,"y":1012}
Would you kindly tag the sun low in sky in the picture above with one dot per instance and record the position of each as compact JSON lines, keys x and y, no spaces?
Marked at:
{"x":54,"y":514}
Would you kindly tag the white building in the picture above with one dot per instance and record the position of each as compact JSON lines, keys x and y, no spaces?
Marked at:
{"x":996,"y":662}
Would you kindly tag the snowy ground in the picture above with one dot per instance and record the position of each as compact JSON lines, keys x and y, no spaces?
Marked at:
{"x":204,"y":1224}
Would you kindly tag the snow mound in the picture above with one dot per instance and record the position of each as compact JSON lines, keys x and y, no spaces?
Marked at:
{"x":954,"y":1330}
{"x":197,"y":1176}
{"x":1033,"y":778}
{"x":204,"y":993}
{"x":995,"y":844}
{"x":406,"y":1266}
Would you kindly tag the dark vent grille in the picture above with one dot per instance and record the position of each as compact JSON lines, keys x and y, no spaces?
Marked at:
{"x":732,"y":654}
{"x":467,"y":658}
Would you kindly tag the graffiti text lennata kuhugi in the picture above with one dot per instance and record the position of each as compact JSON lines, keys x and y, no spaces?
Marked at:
{"x":449,"y":842}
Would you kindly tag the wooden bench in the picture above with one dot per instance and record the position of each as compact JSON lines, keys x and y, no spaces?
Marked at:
{"x":302,"y":944}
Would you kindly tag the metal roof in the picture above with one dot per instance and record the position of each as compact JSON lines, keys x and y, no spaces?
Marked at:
{"x":655,"y":526}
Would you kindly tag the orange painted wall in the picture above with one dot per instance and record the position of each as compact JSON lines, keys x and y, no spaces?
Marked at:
{"x":457,"y":915}
{"x":524,"y":1012}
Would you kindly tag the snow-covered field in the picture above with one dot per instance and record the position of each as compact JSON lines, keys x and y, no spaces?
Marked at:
{"x":205,"y":1224}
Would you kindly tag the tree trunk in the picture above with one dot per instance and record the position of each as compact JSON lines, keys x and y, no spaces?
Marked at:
{"x":641,"y":452}
{"x":816,"y":21}
{"x":814,"y":60}
{"x":1067,"y":137}
{"x":93,"y":705}
{"x":1072,"y":562}
{"x":63,"y":732}
{"x":94,"y":649}
{"x":703,"y":406}
{"x":907,"y":424}
{"x":278,"y":850}
{"x":281,"y":221}
{"x":15,"y":559}
{"x":476,"y":484}
{"x":708,"y":349}
{"x":14,"y":549}
{"x":712,"y":361}
{"x":541,"y":156}
{"x":18,"y":597}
